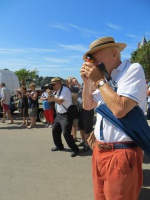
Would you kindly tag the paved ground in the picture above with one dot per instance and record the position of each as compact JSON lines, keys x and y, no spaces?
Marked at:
{"x":30,"y":171}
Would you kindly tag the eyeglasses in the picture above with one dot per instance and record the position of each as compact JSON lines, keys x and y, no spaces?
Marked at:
{"x":54,"y":84}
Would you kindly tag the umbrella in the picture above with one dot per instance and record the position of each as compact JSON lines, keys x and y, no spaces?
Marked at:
{"x":134,"y":124}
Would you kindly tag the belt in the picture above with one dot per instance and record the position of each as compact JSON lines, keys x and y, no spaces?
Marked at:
{"x":117,"y":146}
{"x":62,"y":113}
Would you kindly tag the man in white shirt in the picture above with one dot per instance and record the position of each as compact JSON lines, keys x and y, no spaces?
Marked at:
{"x":62,"y":122}
{"x":5,"y":101}
{"x":117,"y":160}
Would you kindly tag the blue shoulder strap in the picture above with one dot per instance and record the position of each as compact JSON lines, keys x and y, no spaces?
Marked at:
{"x":134,"y":124}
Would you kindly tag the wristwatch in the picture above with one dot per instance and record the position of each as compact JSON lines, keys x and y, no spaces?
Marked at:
{"x":101,"y":83}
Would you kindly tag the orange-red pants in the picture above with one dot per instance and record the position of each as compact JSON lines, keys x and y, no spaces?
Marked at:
{"x":117,"y":174}
{"x":49,"y":115}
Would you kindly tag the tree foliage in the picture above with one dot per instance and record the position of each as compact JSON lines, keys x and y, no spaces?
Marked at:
{"x":25,"y":75}
{"x":142,"y":56}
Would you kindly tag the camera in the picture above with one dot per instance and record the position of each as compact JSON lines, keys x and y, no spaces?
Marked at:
{"x":89,"y":58}
{"x":49,"y":86}
{"x":71,"y":79}
{"x":18,"y":91}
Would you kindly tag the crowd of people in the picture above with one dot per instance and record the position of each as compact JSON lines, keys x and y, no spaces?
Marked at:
{"x":55,"y":102}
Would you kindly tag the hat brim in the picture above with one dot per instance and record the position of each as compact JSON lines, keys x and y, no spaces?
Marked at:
{"x":55,"y":82}
{"x":121,"y":47}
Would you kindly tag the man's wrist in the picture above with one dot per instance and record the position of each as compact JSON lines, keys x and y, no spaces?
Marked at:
{"x":100,"y":83}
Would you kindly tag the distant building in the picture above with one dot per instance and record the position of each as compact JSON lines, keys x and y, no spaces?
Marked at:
{"x":143,"y":42}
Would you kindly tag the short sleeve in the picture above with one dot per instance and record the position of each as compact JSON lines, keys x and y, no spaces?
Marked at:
{"x":133,"y":84}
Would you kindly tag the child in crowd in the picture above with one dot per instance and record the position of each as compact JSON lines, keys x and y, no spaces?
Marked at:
{"x":48,"y":110}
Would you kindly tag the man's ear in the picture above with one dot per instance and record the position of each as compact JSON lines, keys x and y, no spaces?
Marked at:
{"x":114,"y":53}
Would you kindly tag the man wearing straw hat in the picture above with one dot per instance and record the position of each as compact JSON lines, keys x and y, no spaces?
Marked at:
{"x":117,"y":159}
{"x":62,"y":122}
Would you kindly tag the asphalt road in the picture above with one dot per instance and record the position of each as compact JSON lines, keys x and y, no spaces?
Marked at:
{"x":30,"y":171}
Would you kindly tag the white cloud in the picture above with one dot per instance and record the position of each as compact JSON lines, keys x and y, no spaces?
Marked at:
{"x":76,"y":47}
{"x":71,"y":27}
{"x":59,"y":26}
{"x":113,"y":26}
{"x":133,"y":36}
{"x":56,"y":60}
{"x":24,"y":50}
{"x":83,"y":31}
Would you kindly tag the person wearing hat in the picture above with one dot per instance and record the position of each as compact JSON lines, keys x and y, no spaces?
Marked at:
{"x":62,"y":123}
{"x":117,"y":159}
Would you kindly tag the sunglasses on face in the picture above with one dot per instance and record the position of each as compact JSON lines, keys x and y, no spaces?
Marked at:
{"x":54,"y":84}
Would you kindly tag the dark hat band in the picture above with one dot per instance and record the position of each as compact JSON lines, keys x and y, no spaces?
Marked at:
{"x":102,"y":44}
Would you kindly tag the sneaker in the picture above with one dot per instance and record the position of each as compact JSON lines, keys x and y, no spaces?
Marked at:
{"x":85,"y":149}
{"x":50,"y":126}
{"x":47,"y":125}
{"x":23,"y":124}
{"x":82,"y":143}
{"x":74,"y":153}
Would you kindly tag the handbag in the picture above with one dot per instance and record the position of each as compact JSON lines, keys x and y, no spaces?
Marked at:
{"x":91,"y":140}
{"x":72,"y":111}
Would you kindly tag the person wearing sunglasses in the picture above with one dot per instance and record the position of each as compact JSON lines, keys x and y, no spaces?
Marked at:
{"x":62,"y":97}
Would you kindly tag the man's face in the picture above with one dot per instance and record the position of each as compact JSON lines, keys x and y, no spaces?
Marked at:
{"x":100,"y":56}
{"x":56,"y":86}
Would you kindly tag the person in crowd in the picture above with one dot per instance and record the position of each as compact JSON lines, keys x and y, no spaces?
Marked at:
{"x":48,"y":110}
{"x":33,"y":105}
{"x":85,"y":122}
{"x":23,"y":105}
{"x":117,"y":159}
{"x":5,"y":102}
{"x":62,"y":122}
{"x":74,"y":87}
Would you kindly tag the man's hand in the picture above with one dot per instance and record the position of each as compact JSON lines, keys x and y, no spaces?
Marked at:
{"x":90,"y":71}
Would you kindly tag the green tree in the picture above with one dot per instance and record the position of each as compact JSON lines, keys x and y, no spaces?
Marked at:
{"x":24,"y":75}
{"x":142,"y":56}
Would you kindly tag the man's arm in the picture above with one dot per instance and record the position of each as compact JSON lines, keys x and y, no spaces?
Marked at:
{"x":119,"y":105}
{"x":88,"y":102}
{"x":56,"y":100}
{"x":87,"y":98}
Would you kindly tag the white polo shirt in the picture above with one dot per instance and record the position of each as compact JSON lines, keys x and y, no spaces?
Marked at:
{"x":67,"y":97}
{"x":131,"y":83}
{"x":6,"y":95}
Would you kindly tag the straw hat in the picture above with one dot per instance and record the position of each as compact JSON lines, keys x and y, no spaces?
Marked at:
{"x":102,"y":43}
{"x":55,"y":80}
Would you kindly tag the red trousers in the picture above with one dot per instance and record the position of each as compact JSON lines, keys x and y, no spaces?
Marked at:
{"x":49,"y":115}
{"x":117,"y":174}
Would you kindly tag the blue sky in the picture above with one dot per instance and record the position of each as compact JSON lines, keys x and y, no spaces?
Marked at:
{"x":52,"y":35}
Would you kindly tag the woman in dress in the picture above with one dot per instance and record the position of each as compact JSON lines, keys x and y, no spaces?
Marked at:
{"x":23,"y":104}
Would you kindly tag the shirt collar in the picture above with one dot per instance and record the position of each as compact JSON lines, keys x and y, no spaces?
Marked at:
{"x":123,"y":65}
